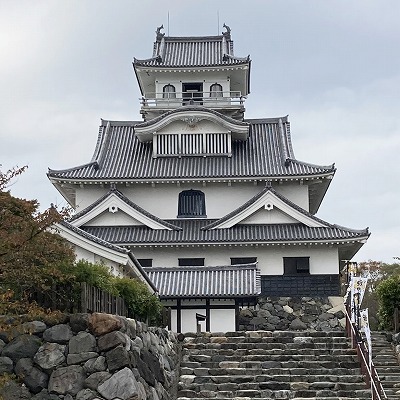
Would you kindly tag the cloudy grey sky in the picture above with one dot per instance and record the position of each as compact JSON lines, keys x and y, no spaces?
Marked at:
{"x":333,"y":66}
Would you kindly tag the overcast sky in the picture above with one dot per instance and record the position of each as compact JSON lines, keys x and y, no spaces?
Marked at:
{"x":333,"y":66}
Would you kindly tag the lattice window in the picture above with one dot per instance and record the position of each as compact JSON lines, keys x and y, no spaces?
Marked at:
{"x":169,"y":92}
{"x":216,"y":90}
{"x":188,"y":144}
{"x":191,"y":204}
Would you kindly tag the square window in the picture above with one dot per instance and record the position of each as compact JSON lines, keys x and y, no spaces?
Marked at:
{"x":296,"y":265}
{"x":243,"y":260}
{"x":145,"y":262}
{"x":189,"y":262}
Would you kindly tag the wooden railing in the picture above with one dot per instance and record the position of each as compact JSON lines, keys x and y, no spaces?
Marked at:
{"x":396,"y":320}
{"x":90,"y":299}
{"x":367,"y":366}
{"x":97,"y":300}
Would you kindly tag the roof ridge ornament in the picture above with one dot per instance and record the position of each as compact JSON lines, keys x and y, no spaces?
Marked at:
{"x":227,"y":34}
{"x":192,"y":121}
{"x":159,"y":35}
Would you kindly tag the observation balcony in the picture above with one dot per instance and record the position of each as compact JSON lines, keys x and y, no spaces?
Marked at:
{"x":228,"y":103}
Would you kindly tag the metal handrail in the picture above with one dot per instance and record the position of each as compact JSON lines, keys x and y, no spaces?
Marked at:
{"x":155,"y":99}
{"x":371,"y":377}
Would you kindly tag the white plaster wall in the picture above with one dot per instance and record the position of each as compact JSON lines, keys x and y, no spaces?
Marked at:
{"x":107,"y":218}
{"x":263,"y":216}
{"x":323,"y":259}
{"x":204,"y":126}
{"x":295,"y":192}
{"x":207,"y":78}
{"x":83,"y":254}
{"x":220,"y":198}
{"x":222,"y":320}
{"x":88,"y":195}
{"x":189,"y":320}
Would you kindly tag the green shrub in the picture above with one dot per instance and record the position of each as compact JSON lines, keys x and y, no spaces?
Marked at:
{"x":97,"y":275}
{"x":140,"y":302}
{"x":388,"y":292}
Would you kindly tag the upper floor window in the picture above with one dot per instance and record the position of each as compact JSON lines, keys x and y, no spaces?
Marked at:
{"x":145,"y":262}
{"x":169,"y":92}
{"x":243,"y":260}
{"x":296,"y":265}
{"x":191,"y":262}
{"x":216,"y":90}
{"x":191,"y":204}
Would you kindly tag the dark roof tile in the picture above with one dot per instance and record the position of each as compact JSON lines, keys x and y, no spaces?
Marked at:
{"x":222,"y":281}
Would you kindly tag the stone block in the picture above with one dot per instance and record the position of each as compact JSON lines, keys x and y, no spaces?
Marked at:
{"x":117,"y":358}
{"x":113,"y":339}
{"x":94,"y":380}
{"x":67,"y":380}
{"x":122,"y":385}
{"x":60,"y":333}
{"x":79,"y":322}
{"x":33,"y":378}
{"x":81,"y":357}
{"x":6,"y":365}
{"x":34,"y":327}
{"x":95,"y":365}
{"x":50,"y":355}
{"x":23,"y":346}
{"x":100,"y":324}
{"x":82,"y":342}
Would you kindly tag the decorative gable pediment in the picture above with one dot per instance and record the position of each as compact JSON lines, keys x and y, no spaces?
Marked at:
{"x":192,"y":131}
{"x":114,"y":205}
{"x":269,"y":216}
{"x":267,"y":207}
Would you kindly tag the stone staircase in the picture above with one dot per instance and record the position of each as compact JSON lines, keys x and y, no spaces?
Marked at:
{"x":270,"y":365}
{"x":386,"y":364}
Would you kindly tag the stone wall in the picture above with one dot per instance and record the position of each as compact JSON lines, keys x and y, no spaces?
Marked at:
{"x":294,"y":313}
{"x":89,"y":356}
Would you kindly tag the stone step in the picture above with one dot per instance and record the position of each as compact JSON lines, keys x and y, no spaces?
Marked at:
{"x":275,"y":394}
{"x":248,"y":383}
{"x":252,"y":370}
{"x":271,"y":365}
{"x":267,"y":350}
{"x":269,"y":398}
{"x":266,"y":339}
{"x":275,"y":333}
{"x":281,"y":356}
{"x":272,"y":356}
{"x":245,"y":378}
{"x":256,"y":363}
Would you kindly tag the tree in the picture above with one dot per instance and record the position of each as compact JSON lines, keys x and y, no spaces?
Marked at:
{"x":389,"y":298}
{"x":31,"y":256}
{"x":37,"y":262}
{"x":378,"y":272}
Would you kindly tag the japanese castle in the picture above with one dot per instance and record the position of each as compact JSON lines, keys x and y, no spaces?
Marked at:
{"x":209,"y":208}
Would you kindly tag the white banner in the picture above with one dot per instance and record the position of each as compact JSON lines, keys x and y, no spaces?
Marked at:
{"x":365,"y":328}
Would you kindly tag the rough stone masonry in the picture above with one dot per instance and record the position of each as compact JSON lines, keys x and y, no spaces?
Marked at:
{"x":87,"y":357}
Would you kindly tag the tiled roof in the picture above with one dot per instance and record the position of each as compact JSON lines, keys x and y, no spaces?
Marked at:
{"x":226,"y":281}
{"x":192,"y":233}
{"x":93,"y":238}
{"x":128,"y":202}
{"x":192,"y":51}
{"x":109,"y":245}
{"x":119,"y":155}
